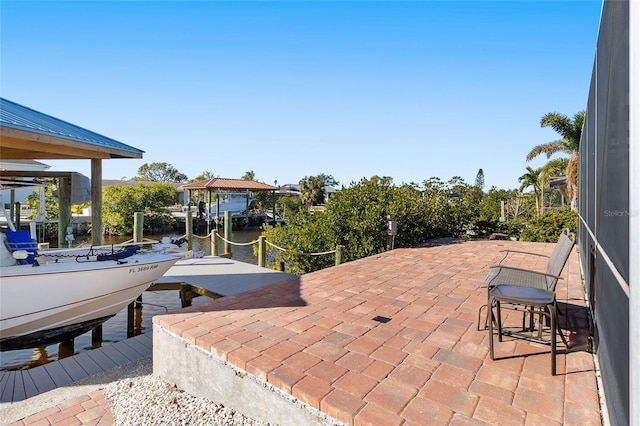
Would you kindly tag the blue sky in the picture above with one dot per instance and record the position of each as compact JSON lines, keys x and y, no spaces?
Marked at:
{"x":288,"y":89}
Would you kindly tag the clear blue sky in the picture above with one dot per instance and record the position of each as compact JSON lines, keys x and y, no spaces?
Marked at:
{"x":288,"y":89}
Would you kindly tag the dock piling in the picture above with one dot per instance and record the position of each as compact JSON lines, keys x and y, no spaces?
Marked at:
{"x":188,"y":227}
{"x":214,"y":243}
{"x":262,"y":250}
{"x":339,"y":250}
{"x":227,"y":232}
{"x":138,"y":222}
{"x":96,"y":337}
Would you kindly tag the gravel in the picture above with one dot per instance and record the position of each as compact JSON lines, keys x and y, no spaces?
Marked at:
{"x":144,"y":399}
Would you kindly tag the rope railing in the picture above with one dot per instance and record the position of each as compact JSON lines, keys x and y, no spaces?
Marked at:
{"x":262,"y":248}
{"x":299,"y":253}
{"x":202,"y":237}
{"x":214,"y":235}
{"x":235,"y":243}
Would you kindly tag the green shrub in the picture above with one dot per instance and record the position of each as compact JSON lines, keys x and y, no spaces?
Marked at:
{"x":119,"y":203}
{"x":356,"y":218}
{"x":547,"y":229}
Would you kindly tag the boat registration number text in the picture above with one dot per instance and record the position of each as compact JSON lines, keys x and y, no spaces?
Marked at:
{"x":143,"y":268}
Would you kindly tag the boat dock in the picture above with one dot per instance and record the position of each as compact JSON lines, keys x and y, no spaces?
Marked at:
{"x":210,"y":276}
{"x":215,"y":276}
{"x":18,"y":385}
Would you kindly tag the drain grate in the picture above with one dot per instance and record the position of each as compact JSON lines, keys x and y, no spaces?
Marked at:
{"x":381,"y":319}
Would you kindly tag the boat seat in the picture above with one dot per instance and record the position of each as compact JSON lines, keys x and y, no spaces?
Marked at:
{"x":21,"y":240}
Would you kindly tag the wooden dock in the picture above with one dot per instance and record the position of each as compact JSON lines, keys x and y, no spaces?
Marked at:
{"x":215,"y":276}
{"x":18,"y":385}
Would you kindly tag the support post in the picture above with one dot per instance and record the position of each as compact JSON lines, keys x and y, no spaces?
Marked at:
{"x":137,"y":316}
{"x":12,"y":206}
{"x":185,"y":296}
{"x":16,"y":221}
{"x":64,"y":209}
{"x":273,"y":197}
{"x":262,"y":251}
{"x":246,"y":223}
{"x":209,"y":212}
{"x":217,"y":210}
{"x":214,"y":242}
{"x":339,"y":250}
{"x":66,"y":349}
{"x":227,"y":232}
{"x":96,"y":202}
{"x":96,"y":337}
{"x":138,"y":224}
{"x":130,"y":318}
{"x":188,"y":227}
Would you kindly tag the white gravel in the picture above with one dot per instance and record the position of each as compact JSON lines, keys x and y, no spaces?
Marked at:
{"x":144,"y":399}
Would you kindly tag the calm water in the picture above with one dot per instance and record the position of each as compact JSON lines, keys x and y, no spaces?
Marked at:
{"x":153,"y":303}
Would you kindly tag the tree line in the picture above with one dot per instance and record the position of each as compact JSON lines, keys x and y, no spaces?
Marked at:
{"x":355,"y":216}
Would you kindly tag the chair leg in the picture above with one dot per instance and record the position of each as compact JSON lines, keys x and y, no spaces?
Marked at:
{"x":564,"y":340}
{"x":480,"y":314}
{"x":499,"y":320}
{"x":552,"y":314}
{"x":490,"y":314}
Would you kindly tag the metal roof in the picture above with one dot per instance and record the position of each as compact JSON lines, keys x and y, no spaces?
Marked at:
{"x":229,"y":185}
{"x":21,"y":119}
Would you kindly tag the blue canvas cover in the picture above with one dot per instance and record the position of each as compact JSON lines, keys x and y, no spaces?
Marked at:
{"x":21,"y":240}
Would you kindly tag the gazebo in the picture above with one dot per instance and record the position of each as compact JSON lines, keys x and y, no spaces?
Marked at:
{"x":226,"y":185}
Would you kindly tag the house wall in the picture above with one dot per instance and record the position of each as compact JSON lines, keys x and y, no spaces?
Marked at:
{"x":604,"y":206}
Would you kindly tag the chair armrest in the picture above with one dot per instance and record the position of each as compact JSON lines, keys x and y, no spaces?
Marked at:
{"x":507,"y":251}
{"x":523,"y":252}
{"x":520,"y":277}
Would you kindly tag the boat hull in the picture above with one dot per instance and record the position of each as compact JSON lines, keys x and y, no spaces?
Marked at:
{"x":56,"y":295}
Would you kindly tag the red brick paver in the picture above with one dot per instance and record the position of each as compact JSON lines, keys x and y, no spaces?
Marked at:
{"x":428,"y":363}
{"x":317,"y":340}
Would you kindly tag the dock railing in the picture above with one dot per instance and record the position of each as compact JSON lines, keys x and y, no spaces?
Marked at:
{"x":214,"y":236}
{"x":262,"y":243}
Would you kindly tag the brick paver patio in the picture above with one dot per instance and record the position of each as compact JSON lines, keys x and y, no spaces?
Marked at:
{"x":317,"y":341}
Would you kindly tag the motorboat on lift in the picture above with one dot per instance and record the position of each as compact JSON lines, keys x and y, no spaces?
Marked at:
{"x":53,"y":295}
{"x":235,"y":202}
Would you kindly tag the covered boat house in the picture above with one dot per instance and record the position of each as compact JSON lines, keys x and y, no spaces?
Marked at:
{"x":26,"y":134}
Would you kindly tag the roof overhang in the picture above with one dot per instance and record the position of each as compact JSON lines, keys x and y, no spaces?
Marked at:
{"x":23,"y":145}
{"x":27,"y":134}
{"x":228,"y":184}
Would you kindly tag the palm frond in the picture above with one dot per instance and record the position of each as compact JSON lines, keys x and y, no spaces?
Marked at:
{"x":548,"y":148}
{"x":558,"y":122}
{"x":556,"y":167}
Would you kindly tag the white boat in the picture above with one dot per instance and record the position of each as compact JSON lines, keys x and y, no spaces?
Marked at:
{"x":70,"y":291}
{"x":235,"y":202}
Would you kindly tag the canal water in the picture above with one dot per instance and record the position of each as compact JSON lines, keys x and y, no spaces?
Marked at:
{"x":153,"y":303}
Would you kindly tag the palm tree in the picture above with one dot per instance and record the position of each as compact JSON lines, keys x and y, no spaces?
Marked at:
{"x":311,"y":190}
{"x":570,"y":130}
{"x":555,"y":168}
{"x":533,"y":178}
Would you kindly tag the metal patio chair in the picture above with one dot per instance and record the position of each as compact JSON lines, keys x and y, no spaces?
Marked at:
{"x":528,"y":291}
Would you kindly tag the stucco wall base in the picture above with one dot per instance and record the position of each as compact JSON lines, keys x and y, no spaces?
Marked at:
{"x":199,"y":373}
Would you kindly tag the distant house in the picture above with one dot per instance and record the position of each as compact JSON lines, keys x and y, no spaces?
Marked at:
{"x":21,"y":194}
{"x":293,"y":189}
{"x":289,"y":189}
